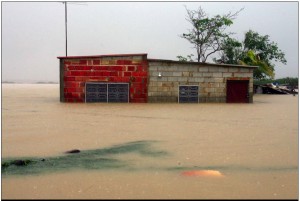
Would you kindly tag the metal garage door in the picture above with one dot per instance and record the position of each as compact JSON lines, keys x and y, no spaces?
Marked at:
{"x":237,"y":91}
{"x":188,"y":94}
{"x":107,"y":92}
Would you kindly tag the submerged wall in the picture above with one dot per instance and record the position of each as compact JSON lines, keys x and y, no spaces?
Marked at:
{"x":153,"y":80}
{"x":211,"y":79}
{"x":76,"y":71}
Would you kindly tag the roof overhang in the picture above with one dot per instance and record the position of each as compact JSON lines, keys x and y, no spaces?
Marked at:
{"x":200,"y":63}
{"x":100,"y":56}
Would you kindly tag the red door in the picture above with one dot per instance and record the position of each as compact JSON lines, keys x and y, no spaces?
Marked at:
{"x":237,"y":91}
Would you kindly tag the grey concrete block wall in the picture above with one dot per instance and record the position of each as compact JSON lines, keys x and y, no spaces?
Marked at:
{"x":210,"y":78}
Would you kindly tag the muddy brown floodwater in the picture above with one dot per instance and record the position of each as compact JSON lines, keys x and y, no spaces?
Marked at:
{"x":209,"y":151}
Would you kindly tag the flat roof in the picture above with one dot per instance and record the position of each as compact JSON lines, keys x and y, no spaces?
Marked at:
{"x":200,"y":63}
{"x":97,"y":56}
{"x":155,"y":60}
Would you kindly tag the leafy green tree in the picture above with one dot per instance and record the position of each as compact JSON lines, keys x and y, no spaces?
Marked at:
{"x":263,"y":70}
{"x":266,"y":51}
{"x":207,"y":33}
{"x":232,"y":51}
{"x":262,"y":46}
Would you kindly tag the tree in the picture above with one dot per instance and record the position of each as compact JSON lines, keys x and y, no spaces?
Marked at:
{"x":263,"y":70}
{"x":207,"y":33}
{"x":290,"y":81}
{"x":187,"y":58}
{"x":231,"y":51}
{"x":266,"y":51}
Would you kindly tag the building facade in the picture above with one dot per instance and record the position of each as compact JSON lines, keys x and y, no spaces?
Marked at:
{"x":135,"y":78}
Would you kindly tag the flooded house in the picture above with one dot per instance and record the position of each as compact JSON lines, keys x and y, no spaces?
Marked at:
{"x":134,"y":78}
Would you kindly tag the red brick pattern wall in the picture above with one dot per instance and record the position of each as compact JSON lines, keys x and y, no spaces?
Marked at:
{"x":113,"y":70}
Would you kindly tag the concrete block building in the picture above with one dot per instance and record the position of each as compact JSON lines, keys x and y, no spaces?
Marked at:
{"x":136,"y":79}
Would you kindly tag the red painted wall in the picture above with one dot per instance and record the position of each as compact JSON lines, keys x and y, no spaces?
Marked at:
{"x":132,"y":69}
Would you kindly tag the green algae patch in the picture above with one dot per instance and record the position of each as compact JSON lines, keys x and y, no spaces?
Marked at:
{"x":105,"y":158}
{"x":25,"y":162}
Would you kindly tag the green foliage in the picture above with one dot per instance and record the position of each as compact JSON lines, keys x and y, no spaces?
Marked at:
{"x":288,"y":80}
{"x":263,"y":70}
{"x":232,"y":51}
{"x":263,"y":47}
{"x":186,"y":59}
{"x":207,"y":33}
{"x":260,"y":47}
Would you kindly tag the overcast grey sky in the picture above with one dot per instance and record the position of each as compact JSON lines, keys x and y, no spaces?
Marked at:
{"x":33,"y":33}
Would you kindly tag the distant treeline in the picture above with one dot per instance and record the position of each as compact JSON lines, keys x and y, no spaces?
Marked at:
{"x":288,"y":80}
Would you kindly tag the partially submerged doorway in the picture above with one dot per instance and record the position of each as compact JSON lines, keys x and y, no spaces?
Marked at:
{"x":237,"y":91}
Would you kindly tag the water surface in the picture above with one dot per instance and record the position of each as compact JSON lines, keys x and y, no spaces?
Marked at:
{"x":254,"y":146}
